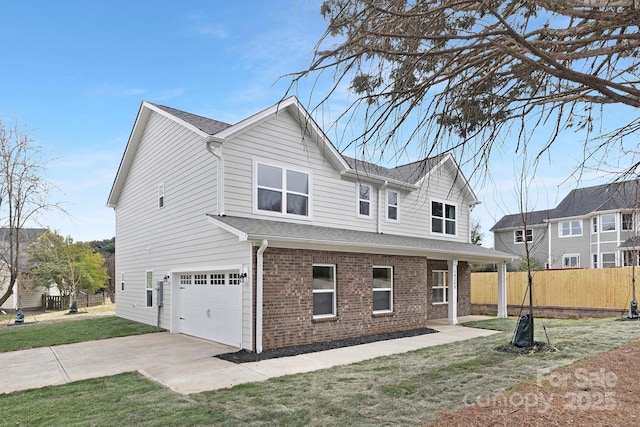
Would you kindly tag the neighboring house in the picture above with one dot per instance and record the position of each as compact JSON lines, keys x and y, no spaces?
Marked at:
{"x":262,"y":235}
{"x":23,"y":296}
{"x":592,"y":227}
{"x":515,"y":233}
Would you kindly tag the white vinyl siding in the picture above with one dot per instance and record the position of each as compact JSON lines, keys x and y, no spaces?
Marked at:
{"x":278,"y":141}
{"x":178,"y":235}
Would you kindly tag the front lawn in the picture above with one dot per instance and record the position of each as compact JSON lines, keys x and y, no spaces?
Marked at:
{"x":404,"y":389}
{"x":57,"y":332}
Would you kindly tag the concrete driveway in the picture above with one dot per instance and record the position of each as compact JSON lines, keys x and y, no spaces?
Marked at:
{"x":175,"y":360}
{"x":186,"y":364}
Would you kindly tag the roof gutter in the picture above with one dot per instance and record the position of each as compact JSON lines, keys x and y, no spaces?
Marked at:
{"x":217,"y":152}
{"x":259,"y":291}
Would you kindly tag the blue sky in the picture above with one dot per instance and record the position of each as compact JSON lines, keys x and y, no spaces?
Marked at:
{"x":76,"y":72}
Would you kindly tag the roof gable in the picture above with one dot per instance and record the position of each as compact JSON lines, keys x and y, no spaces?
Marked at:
{"x":599,"y":198}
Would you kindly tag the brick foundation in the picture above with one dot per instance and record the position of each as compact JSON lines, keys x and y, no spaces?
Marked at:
{"x":288,"y":296}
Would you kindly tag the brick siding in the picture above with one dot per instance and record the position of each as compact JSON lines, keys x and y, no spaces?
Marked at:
{"x":288,"y":296}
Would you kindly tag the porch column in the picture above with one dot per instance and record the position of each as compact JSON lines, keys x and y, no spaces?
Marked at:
{"x":502,"y":289}
{"x":453,"y":291}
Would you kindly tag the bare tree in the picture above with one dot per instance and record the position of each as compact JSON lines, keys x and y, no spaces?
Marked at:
{"x":23,"y":195}
{"x":460,"y":73}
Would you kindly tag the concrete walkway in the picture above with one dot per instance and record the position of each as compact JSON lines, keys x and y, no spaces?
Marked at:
{"x":185,"y":364}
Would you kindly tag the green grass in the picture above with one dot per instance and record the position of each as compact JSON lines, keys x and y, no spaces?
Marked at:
{"x":57,"y":332}
{"x":404,"y":389}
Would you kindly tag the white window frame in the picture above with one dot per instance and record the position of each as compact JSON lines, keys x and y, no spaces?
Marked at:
{"x":284,"y":190}
{"x":570,"y":233}
{"x":360,"y":200}
{"x":594,"y":225}
{"x":388,"y":289}
{"x":594,"y":260}
{"x":390,"y":206}
{"x":161,"y":195}
{"x":148,"y":289}
{"x":608,"y":262}
{"x":602,"y":217}
{"x":565,"y":257}
{"x":444,"y":286}
{"x":122,"y":281}
{"x":627,"y":258}
{"x":332,"y":291}
{"x":630,"y":224}
{"x":521,"y":231}
{"x":443,"y":218}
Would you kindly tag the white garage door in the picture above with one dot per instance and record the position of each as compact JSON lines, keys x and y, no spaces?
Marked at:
{"x":211,"y":306}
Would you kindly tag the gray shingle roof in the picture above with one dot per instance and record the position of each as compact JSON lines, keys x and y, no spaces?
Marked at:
{"x":613,"y":196}
{"x":205,"y":124}
{"x":410,"y":173}
{"x":257,"y":229}
{"x":517,"y":221}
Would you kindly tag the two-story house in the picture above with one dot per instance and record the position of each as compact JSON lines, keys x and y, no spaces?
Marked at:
{"x":592,"y":227}
{"x":262,"y":235}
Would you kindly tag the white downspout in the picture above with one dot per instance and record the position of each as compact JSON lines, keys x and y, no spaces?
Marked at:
{"x":259,"y":288}
{"x":217,"y":152}
{"x":381,"y":210}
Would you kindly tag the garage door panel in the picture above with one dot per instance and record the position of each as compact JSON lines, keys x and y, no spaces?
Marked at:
{"x":211,"y":306}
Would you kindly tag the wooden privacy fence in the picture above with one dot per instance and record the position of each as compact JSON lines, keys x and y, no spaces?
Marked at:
{"x":50,"y":302}
{"x":558,"y":293}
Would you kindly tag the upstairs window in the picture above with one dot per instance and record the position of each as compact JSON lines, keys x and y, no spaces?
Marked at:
{"x":608,"y":222}
{"x":627,"y":222}
{"x":161,"y":195}
{"x":594,"y":225}
{"x":282,"y":190}
{"x":443,"y":218}
{"x":570,"y":228}
{"x":392,"y":205}
{"x":518,"y":236}
{"x":364,"y":200}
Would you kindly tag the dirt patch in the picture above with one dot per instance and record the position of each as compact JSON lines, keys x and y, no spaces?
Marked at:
{"x":244,"y":356}
{"x":598,"y":391}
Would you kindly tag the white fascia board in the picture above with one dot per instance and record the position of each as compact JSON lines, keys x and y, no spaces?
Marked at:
{"x":299,"y":243}
{"x":176,"y":119}
{"x":242,"y":236}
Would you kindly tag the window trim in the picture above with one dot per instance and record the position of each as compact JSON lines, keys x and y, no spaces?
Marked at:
{"x":388,"y":206}
{"x":594,"y":260}
{"x":161,"y":195}
{"x":444,"y":286}
{"x":630,"y":223}
{"x":334,"y":291}
{"x":389,"y":289}
{"x":615,"y":263}
{"x":359,"y":213}
{"x":529,"y":236}
{"x":560,"y":228}
{"x":148,"y":288}
{"x":284,"y":168}
{"x":594,"y":225}
{"x":443,"y":218}
{"x":566,"y":256}
{"x":615,"y":226}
